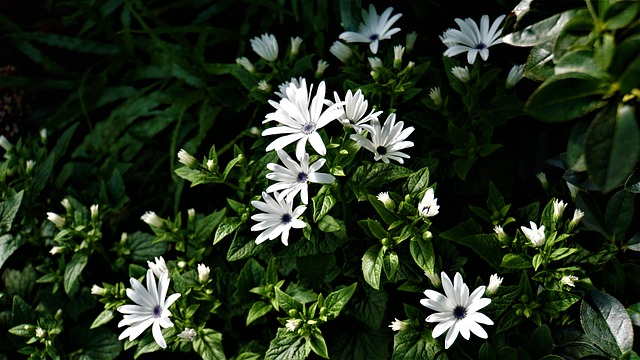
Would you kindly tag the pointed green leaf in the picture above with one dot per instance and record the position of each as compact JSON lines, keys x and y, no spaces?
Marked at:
{"x":606,"y":323}
{"x":372,"y":265}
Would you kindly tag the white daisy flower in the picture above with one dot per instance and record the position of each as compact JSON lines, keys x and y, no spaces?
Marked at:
{"x":534,"y":234}
{"x":300,"y":119}
{"x":387,"y":140}
{"x":187,"y":334}
{"x":151,"y":309}
{"x":158,"y":266}
{"x":373,"y":28}
{"x":341,"y":51}
{"x":515,"y":75}
{"x":294,"y":177}
{"x":355,"y":108}
{"x":428,"y":206}
{"x":472,"y":39}
{"x":266,"y":46}
{"x":278,"y":218}
{"x":457,"y":311}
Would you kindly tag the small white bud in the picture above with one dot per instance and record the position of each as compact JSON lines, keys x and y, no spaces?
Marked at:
{"x":203,"y":273}
{"x":56,"y":219}
{"x":292,"y":324}
{"x":39,"y":332}
{"x":191,"y":213}
{"x":97,"y":290}
{"x":152,"y":219}
{"x":295,"y":45}
{"x":264,"y":86}
{"x":494,"y":283}
{"x":187,"y":335}
{"x":435,"y":95}
{"x":94,"y":211}
{"x":5,"y":143}
{"x":66,"y":204}
{"x":210,"y":165}
{"x":29,"y":166}
{"x":558,"y":208}
{"x":573,"y":190}
{"x":398,"y":325}
{"x":56,"y":250}
{"x":322,"y":66}
{"x":398,"y":52}
{"x":542,"y":177}
{"x":43,"y":135}
{"x":462,"y":73}
{"x":245,"y":63}
{"x":569,"y":280}
{"x":158,"y":267}
{"x":186,"y":159}
{"x":375,"y":62}
{"x":433,"y":278}
{"x":515,"y":75}
{"x":341,"y":51}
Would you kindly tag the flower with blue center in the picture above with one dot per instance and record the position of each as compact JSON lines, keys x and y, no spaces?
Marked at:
{"x":151,"y":309}
{"x":373,"y":28}
{"x":457,"y":311}
{"x":277,"y":219}
{"x":472,"y":39}
{"x":386,"y":140}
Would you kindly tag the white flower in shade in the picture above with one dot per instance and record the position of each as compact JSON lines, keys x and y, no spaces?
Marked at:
{"x":534,"y":234}
{"x":66,"y":204}
{"x":151,"y":309}
{"x":434,"y":279}
{"x":494,"y":283}
{"x":375,"y":62}
{"x":203,"y":273}
{"x":322,"y":66}
{"x":355,"y":110}
{"x":186,"y":159}
{"x":542,"y":177}
{"x":158,"y":267}
{"x":97,"y":290}
{"x":573,"y":190}
{"x":569,"y":280}
{"x":39,"y":332}
{"x":500,"y":232}
{"x":294,"y":177}
{"x":266,"y":46}
{"x":245,"y":63}
{"x":43,"y":135}
{"x":373,"y":28}
{"x":278,"y":218}
{"x":56,"y":250}
{"x":263,"y":85}
{"x":428,"y":206}
{"x":56,"y":219}
{"x":152,"y":219}
{"x":292,"y":324}
{"x":384,"y":198}
{"x":398,"y":52}
{"x":211,"y":164}
{"x":301,"y":120}
{"x":410,"y":41}
{"x":295,"y":45}
{"x":515,"y":75}
{"x":577,"y":216}
{"x":387,"y":140}
{"x":341,"y":51}
{"x":558,"y":208}
{"x":94,"y":210}
{"x":461,"y":73}
{"x":29,"y":165}
{"x":398,"y":325}
{"x":187,"y":335}
{"x":472,"y":39}
{"x":5,"y":143}
{"x":435,"y":95}
{"x":457,"y":311}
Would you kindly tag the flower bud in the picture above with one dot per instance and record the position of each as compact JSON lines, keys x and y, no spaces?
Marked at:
{"x":435,"y":95}
{"x":295,"y":45}
{"x":203,"y":273}
{"x":341,"y":51}
{"x":97,"y":290}
{"x":94,"y":211}
{"x":186,"y":159}
{"x":56,"y":219}
{"x":398,"y":52}
{"x":152,"y":219}
{"x":494,"y":283}
{"x":322,"y":66}
{"x":245,"y":63}
{"x":461,"y":73}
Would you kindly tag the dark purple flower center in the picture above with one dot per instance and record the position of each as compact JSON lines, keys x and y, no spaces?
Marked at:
{"x":459,"y":312}
{"x":302,"y":177}
{"x":381,"y":150}
{"x":157,"y":311}
{"x":374,"y":37}
{"x":308,"y":128}
{"x":286,"y":218}
{"x":481,"y":46}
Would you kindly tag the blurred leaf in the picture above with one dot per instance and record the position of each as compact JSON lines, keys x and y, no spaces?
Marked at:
{"x":8,"y":211}
{"x":619,"y":14}
{"x":619,"y":214}
{"x":540,"y":32}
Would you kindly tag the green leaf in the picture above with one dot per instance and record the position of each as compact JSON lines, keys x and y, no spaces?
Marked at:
{"x":228,"y":226}
{"x":8,"y":245}
{"x":634,"y":242}
{"x":485,"y":245}
{"x":612,"y":146}
{"x":556,"y":301}
{"x":328,"y":224}
{"x":103,"y":318}
{"x":387,"y":216}
{"x":209,"y":345}
{"x":509,"y":320}
{"x":606,"y":322}
{"x":541,"y":342}
{"x":8,"y":210}
{"x":515,"y":261}
{"x":390,"y":264}
{"x":539,"y":66}
{"x":323,"y":202}
{"x":317,"y":343}
{"x":287,"y":346}
{"x":566,"y":96}
{"x":370,"y":307}
{"x":143,"y":247}
{"x":540,"y":32}
{"x":410,"y":345}
{"x":100,"y":344}
{"x":423,"y":254}
{"x":205,"y":226}
{"x":336,"y":300}
{"x":258,"y":310}
{"x":619,"y":214}
{"x":619,"y":14}
{"x":243,"y":247}
{"x":369,"y":178}
{"x":581,"y":61}
{"x":372,"y":265}
{"x":287,"y":302}
{"x":487,"y":352}
{"x":72,"y":272}
{"x":634,"y":313}
{"x":417,"y":182}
